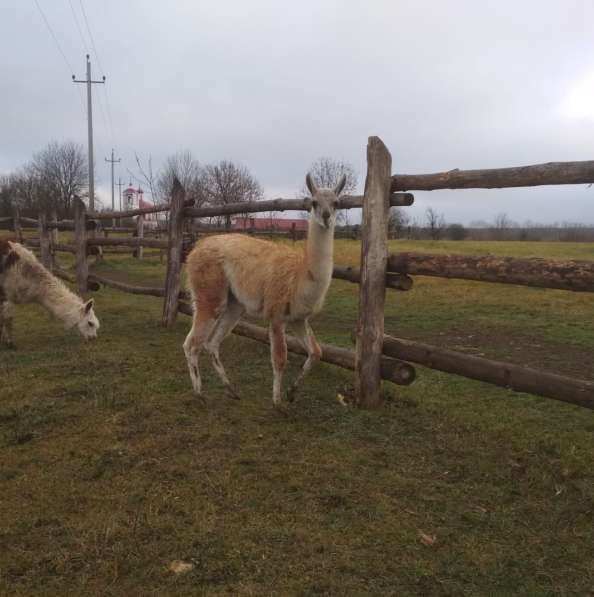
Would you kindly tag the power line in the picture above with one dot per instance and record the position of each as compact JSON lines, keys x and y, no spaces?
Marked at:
{"x":91,"y":37}
{"x":66,"y":61}
{"x":53,"y":36}
{"x":82,"y":37}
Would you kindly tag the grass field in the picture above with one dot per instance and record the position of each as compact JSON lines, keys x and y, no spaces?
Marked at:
{"x":110,"y":470}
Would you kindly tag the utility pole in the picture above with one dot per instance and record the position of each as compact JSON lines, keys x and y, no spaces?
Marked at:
{"x":89,"y":83}
{"x":112,"y":161}
{"x":120,"y":185}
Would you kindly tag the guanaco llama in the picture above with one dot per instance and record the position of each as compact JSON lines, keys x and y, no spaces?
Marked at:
{"x":24,"y":280}
{"x":233,"y":274}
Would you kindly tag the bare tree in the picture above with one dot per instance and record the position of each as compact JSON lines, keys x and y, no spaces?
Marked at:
{"x":147,"y":177}
{"x":61,"y":173}
{"x":183,"y":166}
{"x":435,"y":223}
{"x":501,"y":226}
{"x":224,"y":183}
{"x":326,"y":173}
{"x":398,"y":220}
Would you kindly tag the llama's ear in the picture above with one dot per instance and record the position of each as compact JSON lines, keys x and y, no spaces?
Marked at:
{"x":311,"y":185}
{"x":89,"y":305}
{"x":338,"y":188}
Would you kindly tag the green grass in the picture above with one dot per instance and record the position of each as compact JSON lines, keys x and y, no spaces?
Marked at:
{"x":111,"y":470}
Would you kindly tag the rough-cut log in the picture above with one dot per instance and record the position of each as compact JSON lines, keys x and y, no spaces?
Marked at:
{"x":372,"y":287}
{"x":496,"y":178}
{"x":174,"y":254}
{"x":543,"y":273}
{"x":148,"y":290}
{"x":202,"y":230}
{"x":128,"y":242}
{"x":393,"y":370}
{"x":29,"y":222}
{"x":44,"y":242}
{"x":520,"y":379}
{"x":106,"y":229}
{"x":80,"y":242}
{"x":345,"y":202}
{"x":103,"y":215}
{"x":64,"y":248}
{"x":69,"y":225}
{"x":91,"y":285}
{"x":396,"y":281}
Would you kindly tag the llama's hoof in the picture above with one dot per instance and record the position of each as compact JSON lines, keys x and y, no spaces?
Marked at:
{"x":8,"y":345}
{"x":231,"y":392}
{"x":279,"y":409}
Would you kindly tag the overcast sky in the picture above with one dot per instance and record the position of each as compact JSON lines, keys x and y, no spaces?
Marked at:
{"x":273,"y":85}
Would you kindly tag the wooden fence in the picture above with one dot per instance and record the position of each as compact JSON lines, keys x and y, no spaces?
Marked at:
{"x":377,"y":356}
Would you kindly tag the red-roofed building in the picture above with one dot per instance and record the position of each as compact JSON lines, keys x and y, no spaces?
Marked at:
{"x":268,"y":224}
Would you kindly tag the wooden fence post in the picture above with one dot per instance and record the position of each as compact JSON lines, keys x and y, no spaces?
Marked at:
{"x":372,"y":289}
{"x":140,"y":235}
{"x":44,"y":240}
{"x":80,"y":244}
{"x":174,"y":254}
{"x":16,"y":223}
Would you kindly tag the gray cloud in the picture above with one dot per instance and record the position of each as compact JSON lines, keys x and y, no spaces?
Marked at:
{"x":274,"y":85}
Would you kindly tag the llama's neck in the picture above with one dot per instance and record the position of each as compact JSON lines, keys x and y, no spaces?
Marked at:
{"x":60,"y":301}
{"x":318,"y":261}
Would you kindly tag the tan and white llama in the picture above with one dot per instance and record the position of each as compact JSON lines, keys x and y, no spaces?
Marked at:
{"x":23,"y":279}
{"x":233,"y":274}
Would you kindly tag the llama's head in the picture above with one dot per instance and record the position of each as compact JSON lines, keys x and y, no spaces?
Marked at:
{"x":324,"y":202}
{"x":88,"y":323}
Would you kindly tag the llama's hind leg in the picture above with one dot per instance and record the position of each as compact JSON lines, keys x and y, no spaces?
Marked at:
{"x":224,"y":325}
{"x":306,"y":337}
{"x":278,"y":353}
{"x":202,"y":326}
{"x":6,"y":338}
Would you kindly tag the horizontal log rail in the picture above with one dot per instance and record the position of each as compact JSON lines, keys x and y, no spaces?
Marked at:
{"x":64,"y":248}
{"x":506,"y":375}
{"x":119,"y":228}
{"x":153,"y":243}
{"x":130,"y":213}
{"x":246,"y":230}
{"x":393,"y":280}
{"x":577,"y":276}
{"x":28,"y":222}
{"x":69,"y":224}
{"x":551,"y":173}
{"x":130,"y":288}
{"x":393,"y":370}
{"x":61,"y":273}
{"x":345,"y":202}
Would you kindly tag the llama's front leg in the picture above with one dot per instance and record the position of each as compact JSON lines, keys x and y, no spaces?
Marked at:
{"x":306,"y":337}
{"x":278,"y":352}
{"x":6,"y":324}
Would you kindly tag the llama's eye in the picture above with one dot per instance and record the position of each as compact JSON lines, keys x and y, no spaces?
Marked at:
{"x":336,"y":203}
{"x":314,"y":203}
{"x":91,"y":324}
